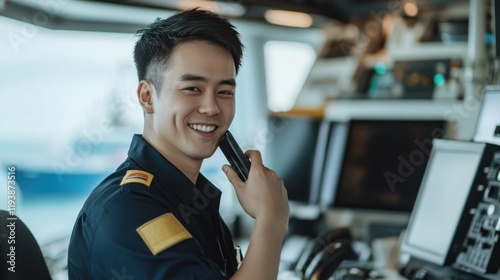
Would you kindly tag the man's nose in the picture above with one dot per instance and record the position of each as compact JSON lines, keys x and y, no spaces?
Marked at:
{"x":209,"y":104}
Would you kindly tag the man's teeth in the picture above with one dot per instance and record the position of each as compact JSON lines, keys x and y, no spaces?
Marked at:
{"x":201,"y":127}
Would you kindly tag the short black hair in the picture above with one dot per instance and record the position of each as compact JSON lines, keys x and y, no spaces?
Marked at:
{"x":157,"y":40}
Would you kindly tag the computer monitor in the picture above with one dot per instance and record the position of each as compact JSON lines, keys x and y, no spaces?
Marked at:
{"x":295,"y":150}
{"x":443,"y":194}
{"x":488,"y":123}
{"x":377,"y":165}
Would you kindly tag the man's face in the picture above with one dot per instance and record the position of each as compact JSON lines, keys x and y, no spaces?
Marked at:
{"x":196,"y":103}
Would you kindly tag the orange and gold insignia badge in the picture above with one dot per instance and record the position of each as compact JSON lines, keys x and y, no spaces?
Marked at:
{"x":137,"y":176}
{"x":163,"y":232}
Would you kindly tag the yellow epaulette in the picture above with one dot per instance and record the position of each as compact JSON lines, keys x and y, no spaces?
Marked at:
{"x":162,"y":233}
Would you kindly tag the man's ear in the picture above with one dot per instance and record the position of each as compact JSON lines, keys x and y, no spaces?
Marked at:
{"x":145,"y":92}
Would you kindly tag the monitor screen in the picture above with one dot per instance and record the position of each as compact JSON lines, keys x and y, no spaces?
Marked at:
{"x":293,"y":151}
{"x":488,"y":122}
{"x":382,"y":163}
{"x":443,"y":194}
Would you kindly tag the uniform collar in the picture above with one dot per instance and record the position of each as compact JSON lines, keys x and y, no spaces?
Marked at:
{"x":167,"y":175}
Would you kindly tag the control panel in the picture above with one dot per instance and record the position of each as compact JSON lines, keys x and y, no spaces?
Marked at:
{"x":481,"y":248}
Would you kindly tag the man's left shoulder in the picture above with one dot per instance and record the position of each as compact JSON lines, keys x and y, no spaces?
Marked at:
{"x":137,"y":176}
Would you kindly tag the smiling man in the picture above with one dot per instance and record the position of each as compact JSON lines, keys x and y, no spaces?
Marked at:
{"x":157,"y":217}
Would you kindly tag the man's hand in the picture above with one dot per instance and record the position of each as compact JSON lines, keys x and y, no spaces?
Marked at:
{"x":263,"y":195}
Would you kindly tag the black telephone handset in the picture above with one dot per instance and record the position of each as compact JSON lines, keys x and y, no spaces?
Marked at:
{"x":235,"y":156}
{"x":320,"y":247}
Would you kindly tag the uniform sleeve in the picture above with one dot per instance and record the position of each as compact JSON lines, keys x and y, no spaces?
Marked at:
{"x":119,"y":252}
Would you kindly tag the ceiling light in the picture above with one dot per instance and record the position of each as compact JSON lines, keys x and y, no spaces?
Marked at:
{"x":288,"y":18}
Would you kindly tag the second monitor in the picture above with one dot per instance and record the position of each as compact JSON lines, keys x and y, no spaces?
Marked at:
{"x":377,"y":164}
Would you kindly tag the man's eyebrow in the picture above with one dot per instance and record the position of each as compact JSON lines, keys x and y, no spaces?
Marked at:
{"x":230,"y":82}
{"x":191,"y":77}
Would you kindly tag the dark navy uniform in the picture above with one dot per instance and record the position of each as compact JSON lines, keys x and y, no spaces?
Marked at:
{"x":148,"y":221}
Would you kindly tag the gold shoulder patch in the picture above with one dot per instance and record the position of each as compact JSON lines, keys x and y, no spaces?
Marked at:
{"x":137,"y":176}
{"x":163,"y":232}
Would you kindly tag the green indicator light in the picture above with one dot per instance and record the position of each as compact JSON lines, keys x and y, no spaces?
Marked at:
{"x":380,"y":68}
{"x":439,"y":80}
